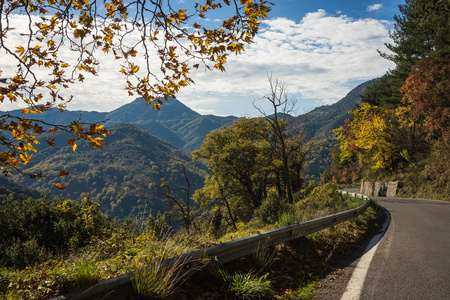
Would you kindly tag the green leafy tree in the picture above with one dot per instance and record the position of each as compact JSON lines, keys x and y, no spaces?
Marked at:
{"x":238,"y":155}
{"x":421,"y":31}
{"x":246,"y":163}
{"x":219,"y":193}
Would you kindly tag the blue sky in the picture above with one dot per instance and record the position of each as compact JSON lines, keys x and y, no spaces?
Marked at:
{"x":296,"y":9}
{"x":320,"y":49}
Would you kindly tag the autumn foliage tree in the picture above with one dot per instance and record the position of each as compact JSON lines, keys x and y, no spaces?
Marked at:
{"x":172,"y":41}
{"x":366,"y":138}
{"x":427,"y":91}
{"x":379,"y":140}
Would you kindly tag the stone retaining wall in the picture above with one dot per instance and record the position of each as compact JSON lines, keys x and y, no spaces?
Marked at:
{"x":379,"y":189}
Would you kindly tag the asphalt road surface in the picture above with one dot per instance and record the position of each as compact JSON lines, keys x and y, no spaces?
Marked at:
{"x":412,"y":260}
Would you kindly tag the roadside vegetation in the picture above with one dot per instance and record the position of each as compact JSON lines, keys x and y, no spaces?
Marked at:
{"x":52,"y":246}
{"x":79,"y":246}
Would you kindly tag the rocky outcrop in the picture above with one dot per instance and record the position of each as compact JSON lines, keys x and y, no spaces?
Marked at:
{"x":379,"y":189}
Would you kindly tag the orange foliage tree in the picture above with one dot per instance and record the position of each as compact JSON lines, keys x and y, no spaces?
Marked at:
{"x":172,"y":42}
{"x":427,"y":91}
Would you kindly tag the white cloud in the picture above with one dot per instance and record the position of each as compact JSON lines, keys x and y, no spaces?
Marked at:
{"x":320,"y":58}
{"x":374,"y":7}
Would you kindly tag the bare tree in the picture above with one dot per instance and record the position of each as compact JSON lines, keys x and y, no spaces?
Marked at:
{"x":287,"y":136}
{"x":180,"y":207}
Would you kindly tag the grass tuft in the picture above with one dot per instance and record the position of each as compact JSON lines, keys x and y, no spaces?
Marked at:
{"x":85,"y":272}
{"x":248,"y":286}
{"x":263,"y":258}
{"x":162,"y":278}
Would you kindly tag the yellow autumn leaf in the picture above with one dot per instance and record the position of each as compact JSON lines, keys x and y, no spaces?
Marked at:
{"x":20,"y":50}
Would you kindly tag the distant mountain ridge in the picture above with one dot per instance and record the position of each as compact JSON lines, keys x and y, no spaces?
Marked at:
{"x":148,"y":145}
{"x":325,"y":118}
{"x":174,"y":122}
{"x":185,"y":129}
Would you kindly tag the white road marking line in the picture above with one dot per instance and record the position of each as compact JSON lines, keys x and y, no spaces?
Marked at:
{"x":356,"y":283}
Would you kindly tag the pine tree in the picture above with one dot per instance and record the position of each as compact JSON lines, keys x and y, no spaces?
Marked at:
{"x":421,"y":31}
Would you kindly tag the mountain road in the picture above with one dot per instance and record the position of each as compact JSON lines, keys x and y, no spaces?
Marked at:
{"x":412,"y":259}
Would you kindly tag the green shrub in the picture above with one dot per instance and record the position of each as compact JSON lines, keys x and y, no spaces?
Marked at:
{"x":306,"y":190}
{"x":32,"y":230}
{"x":215,"y":222}
{"x":158,"y":225}
{"x":271,"y":208}
{"x":325,"y":197}
{"x":24,"y":253}
{"x":288,"y":218}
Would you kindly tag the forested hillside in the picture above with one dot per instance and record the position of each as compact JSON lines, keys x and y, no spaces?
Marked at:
{"x":124,"y":178}
{"x":10,"y":188}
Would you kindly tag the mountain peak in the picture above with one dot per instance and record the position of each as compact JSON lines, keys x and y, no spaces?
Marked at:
{"x":138,"y":109}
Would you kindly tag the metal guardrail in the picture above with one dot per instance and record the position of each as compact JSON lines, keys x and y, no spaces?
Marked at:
{"x":119,"y":287}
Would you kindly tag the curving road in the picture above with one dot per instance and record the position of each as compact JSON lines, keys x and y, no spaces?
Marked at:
{"x":412,"y":260}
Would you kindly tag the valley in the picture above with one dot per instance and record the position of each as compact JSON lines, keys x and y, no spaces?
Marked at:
{"x":148,"y":145}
